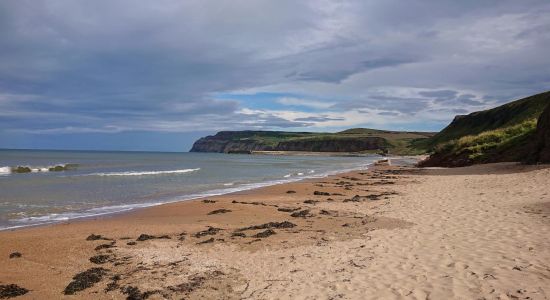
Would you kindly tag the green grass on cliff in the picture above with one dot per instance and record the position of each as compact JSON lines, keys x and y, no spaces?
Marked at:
{"x":480,"y":147}
{"x":399,"y":142}
{"x":504,"y":116}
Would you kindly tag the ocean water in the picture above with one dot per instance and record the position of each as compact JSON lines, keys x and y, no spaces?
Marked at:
{"x":98,"y":183}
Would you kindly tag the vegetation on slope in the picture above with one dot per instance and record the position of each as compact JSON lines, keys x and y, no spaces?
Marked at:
{"x":504,"y":144}
{"x":503,"y":116}
{"x":356,"y":140}
{"x":500,"y":134}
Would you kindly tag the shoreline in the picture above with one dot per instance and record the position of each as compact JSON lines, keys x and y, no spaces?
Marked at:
{"x":385,"y":232}
{"x":193,"y":197}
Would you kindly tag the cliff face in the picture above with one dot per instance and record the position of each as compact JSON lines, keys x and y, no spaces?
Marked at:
{"x":541,"y":151}
{"x":516,"y":131}
{"x":246,"y":142}
{"x":334,"y":145}
{"x":502,"y":116}
{"x":217,"y":145}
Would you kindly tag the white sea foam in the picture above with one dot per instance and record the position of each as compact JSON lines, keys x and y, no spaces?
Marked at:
{"x":144,"y":173}
{"x":287,"y":175}
{"x":5,"y":171}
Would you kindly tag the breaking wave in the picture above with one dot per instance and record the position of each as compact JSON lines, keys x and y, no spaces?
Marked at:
{"x":36,"y":169}
{"x":144,"y":173}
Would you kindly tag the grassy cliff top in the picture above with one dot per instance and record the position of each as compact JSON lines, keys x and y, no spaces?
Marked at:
{"x":507,"y":115}
{"x":399,"y":141}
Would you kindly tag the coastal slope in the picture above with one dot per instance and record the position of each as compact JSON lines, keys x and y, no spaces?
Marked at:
{"x":352,"y":140}
{"x":502,"y":134}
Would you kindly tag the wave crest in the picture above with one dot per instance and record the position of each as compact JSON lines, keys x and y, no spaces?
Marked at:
{"x":35,"y":169}
{"x":144,"y":173}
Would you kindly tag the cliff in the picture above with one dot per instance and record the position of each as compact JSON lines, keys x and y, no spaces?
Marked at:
{"x":503,"y":116}
{"x":354,"y":140}
{"x":504,"y":133}
{"x":541,"y":141}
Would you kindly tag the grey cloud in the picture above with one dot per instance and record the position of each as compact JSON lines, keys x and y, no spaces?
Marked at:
{"x":100,"y":65}
{"x":405,"y":105}
{"x":440,"y":95}
{"x":469,"y":99}
{"x":388,"y":113}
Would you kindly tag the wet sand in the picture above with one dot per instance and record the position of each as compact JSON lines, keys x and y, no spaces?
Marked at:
{"x":391,"y":232}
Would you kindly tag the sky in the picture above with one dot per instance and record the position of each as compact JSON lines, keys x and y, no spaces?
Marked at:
{"x":156,"y":75}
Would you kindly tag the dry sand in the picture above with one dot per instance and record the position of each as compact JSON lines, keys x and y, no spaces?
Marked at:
{"x":480,"y":232}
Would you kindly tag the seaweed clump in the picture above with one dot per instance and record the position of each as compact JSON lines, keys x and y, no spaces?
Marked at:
{"x":11,"y":290}
{"x":84,"y":280}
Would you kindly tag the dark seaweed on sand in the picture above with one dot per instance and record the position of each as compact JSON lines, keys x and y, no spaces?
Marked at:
{"x":11,"y":290}
{"x":84,"y":280}
{"x":284,"y":224}
{"x":264,"y":234}
{"x":210,"y":231}
{"x":135,"y":294}
{"x":99,"y":259}
{"x":95,"y":237}
{"x":300,"y":214}
{"x":144,"y":237}
{"x":219,"y":211}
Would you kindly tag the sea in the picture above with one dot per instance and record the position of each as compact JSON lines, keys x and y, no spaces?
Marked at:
{"x":94,"y":183}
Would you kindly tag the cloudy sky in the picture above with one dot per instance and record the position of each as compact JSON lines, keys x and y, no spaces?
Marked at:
{"x":155,"y":75}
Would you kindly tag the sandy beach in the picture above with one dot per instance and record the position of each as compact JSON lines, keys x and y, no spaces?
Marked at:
{"x":391,"y":232}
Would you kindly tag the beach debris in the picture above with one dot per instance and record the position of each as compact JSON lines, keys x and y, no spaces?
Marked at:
{"x":111,"y":286}
{"x":301,"y":214}
{"x":291,"y":192}
{"x":144,"y":237}
{"x":135,"y":294}
{"x":311,"y":201}
{"x":332,"y":213}
{"x":288,"y":209}
{"x":194,"y":282}
{"x":11,"y":290}
{"x":210,"y":231}
{"x":264,"y":234}
{"x":208,"y":201}
{"x":219,"y":211}
{"x":95,"y":237}
{"x":251,"y":203}
{"x":15,"y":255}
{"x":278,"y":225}
{"x":318,"y":193}
{"x":210,"y":240}
{"x":84,"y":280}
{"x":132,"y":243}
{"x":182,"y":236}
{"x":239,"y":234}
{"x":99,"y":259}
{"x":105,"y":246}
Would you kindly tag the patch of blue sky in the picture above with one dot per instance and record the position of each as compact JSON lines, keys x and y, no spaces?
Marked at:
{"x":272,"y":101}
